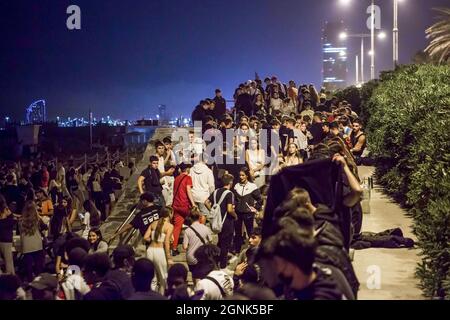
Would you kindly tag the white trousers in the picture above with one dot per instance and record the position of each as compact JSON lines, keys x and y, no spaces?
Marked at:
{"x":158,"y":257}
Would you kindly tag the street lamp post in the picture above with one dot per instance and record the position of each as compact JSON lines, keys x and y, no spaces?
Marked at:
{"x":362,"y":36}
{"x":372,"y":38}
{"x":362,"y":59}
{"x":395,"y":34}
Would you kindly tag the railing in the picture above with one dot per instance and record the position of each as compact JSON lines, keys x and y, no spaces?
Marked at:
{"x":125,"y":239}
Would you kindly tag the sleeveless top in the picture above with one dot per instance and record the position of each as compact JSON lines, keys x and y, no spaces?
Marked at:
{"x":354,"y":140}
{"x":255,"y":157}
{"x":161,"y":237}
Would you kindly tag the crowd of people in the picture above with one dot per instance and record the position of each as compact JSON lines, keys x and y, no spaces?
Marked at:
{"x":210,"y":212}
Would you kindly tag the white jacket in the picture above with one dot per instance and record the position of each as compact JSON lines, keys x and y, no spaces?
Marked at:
{"x":202,"y":182}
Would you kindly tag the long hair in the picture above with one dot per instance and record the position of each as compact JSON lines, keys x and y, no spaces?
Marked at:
{"x":3,"y":204}
{"x":246,"y":171}
{"x":99,"y":236}
{"x":164,"y":213}
{"x":30,"y":219}
{"x":90,"y":207}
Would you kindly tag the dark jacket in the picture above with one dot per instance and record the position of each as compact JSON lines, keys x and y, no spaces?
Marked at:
{"x":198,"y":114}
{"x":323,"y":287}
{"x":247,"y":195}
{"x":221,"y":107}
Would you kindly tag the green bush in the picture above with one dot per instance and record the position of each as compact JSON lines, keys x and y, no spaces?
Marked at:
{"x":408,"y":125}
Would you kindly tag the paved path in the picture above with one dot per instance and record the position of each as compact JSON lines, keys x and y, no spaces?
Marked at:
{"x":397,"y":266}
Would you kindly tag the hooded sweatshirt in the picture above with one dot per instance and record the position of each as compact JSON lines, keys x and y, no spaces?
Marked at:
{"x":202,"y":182}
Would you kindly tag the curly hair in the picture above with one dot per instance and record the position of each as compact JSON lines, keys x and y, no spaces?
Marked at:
{"x":30,"y":218}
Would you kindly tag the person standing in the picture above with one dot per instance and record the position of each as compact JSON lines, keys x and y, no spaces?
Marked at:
{"x":150,"y":179}
{"x":248,"y":202}
{"x":255,"y":158}
{"x":228,"y":216}
{"x":167,"y":178}
{"x":6,"y":235}
{"x":202,"y":184}
{"x":183,"y":201}
{"x":158,"y":235}
{"x":31,"y":239}
{"x":221,"y":105}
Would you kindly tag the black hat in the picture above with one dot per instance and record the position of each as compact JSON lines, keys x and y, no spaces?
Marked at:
{"x":123,"y":252}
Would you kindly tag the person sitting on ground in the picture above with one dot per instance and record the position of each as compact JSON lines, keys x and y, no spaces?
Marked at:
{"x":96,"y":267}
{"x":91,"y":218}
{"x":177,"y":284}
{"x":96,"y":240}
{"x":73,"y":286}
{"x":216,"y":284}
{"x":123,"y":259}
{"x":142,"y":276}
{"x":289,"y":257}
{"x":44,"y":287}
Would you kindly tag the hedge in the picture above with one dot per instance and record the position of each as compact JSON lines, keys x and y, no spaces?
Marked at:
{"x":408,"y":127}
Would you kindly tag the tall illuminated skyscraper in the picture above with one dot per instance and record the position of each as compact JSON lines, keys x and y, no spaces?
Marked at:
{"x":334,"y":50}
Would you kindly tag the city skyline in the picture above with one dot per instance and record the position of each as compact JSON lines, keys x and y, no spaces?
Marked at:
{"x":126,"y":60}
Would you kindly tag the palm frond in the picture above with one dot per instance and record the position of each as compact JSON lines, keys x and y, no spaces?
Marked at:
{"x":439,"y":33}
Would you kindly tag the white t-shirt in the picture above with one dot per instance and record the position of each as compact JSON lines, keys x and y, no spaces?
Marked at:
{"x":211,"y":290}
{"x":87,"y":223}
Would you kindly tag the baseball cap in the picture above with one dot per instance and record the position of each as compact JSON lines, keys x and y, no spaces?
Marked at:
{"x":44,"y":281}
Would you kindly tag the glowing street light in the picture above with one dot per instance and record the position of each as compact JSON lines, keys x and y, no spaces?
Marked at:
{"x":343,"y":35}
{"x":345,"y":2}
{"x":382,"y":35}
{"x":371,"y":53}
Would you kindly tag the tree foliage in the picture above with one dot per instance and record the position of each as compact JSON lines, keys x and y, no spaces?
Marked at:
{"x":408,"y":118}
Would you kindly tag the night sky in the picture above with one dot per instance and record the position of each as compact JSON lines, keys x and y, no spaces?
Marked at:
{"x":131,"y":56}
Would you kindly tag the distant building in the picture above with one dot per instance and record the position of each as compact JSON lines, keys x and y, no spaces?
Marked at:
{"x":36,"y":113}
{"x":334,"y":56}
{"x":162,"y":112}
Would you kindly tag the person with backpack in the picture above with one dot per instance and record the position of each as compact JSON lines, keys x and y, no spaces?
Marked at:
{"x":221,"y":206}
{"x":195,"y":236}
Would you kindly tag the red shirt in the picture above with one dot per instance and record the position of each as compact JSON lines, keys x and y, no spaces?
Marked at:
{"x":180,"y":196}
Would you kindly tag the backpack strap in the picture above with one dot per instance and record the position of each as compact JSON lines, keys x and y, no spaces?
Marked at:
{"x":198,"y":235}
{"x":222,"y":291}
{"x":222,"y":198}
{"x":224,"y":194}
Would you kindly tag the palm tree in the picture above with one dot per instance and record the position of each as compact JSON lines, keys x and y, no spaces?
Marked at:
{"x":439,"y":47}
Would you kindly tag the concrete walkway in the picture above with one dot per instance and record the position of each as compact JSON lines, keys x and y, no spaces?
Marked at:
{"x":394,"y":268}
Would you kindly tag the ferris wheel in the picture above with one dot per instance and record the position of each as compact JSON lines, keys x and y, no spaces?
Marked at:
{"x":36,"y":112}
